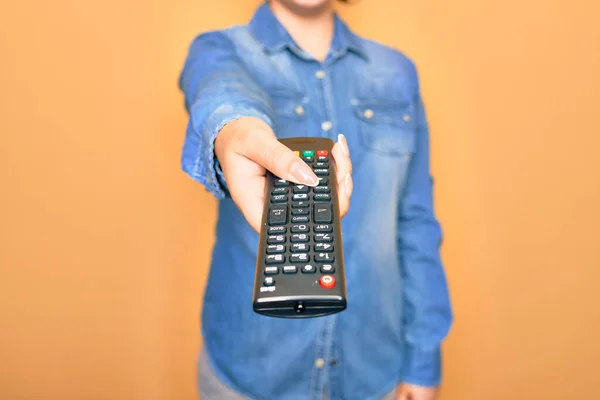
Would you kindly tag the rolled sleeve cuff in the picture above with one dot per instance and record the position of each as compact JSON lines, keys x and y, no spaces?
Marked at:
{"x":422,"y":367}
{"x":199,"y":160}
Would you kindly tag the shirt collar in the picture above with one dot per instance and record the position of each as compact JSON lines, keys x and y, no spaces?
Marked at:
{"x":273,"y":36}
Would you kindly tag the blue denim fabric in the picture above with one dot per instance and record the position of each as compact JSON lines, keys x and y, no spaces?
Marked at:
{"x":398,"y":303}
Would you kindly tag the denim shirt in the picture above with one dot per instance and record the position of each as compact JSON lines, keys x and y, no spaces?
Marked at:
{"x":398,"y":308}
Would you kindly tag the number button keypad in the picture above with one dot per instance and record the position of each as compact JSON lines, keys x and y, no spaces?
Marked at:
{"x":324,"y":237}
{"x":299,"y":247}
{"x":299,"y":258}
{"x":327,"y":247}
{"x":300,"y":228}
{"x":299,"y":238}
{"x":275,"y":249}
{"x":276,"y":239}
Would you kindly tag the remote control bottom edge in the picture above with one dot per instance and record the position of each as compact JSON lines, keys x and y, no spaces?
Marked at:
{"x":299,"y":308}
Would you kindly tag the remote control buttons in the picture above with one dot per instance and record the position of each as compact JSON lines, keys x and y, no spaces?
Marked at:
{"x":279,"y":190}
{"x":299,"y":228}
{"x":278,"y":215}
{"x":327,"y":281}
{"x":299,"y":247}
{"x":298,"y":258}
{"x":274,"y":270}
{"x":308,"y":156}
{"x":275,"y":249}
{"x":327,"y":247}
{"x":269,"y":281}
{"x":275,"y":239}
{"x":323,"y":213}
{"x":323,"y":228}
{"x":274,"y":259}
{"x":290,"y":269}
{"x":279,"y":198}
{"x":326,"y":269}
{"x":322,"y":189}
{"x":322,"y":197}
{"x":324,"y":237}
{"x":300,"y":211}
{"x":324,"y":257}
{"x":300,"y":189}
{"x":299,"y":238}
{"x":312,"y":246}
{"x":274,"y":230}
{"x":309,"y":269}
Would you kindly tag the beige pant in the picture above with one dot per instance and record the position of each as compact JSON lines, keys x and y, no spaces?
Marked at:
{"x":211,"y":388}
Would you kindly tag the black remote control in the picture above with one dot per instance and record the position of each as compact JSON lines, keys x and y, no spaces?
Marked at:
{"x":300,"y":266}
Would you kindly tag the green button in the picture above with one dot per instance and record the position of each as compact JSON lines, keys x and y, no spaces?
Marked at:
{"x":308,"y":153}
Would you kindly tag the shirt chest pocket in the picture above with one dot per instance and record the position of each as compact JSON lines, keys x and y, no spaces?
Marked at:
{"x":386,"y":127}
{"x":290,"y":113}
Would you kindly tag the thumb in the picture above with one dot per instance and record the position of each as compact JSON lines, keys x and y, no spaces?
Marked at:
{"x":274,"y":156}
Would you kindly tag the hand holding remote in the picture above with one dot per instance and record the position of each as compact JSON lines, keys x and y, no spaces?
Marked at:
{"x":247,"y":147}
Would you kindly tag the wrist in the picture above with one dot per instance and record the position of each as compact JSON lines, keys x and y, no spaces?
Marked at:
{"x":235,"y":132}
{"x":422,"y":367}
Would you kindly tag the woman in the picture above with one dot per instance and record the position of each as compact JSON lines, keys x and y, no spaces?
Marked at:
{"x":297,"y":70}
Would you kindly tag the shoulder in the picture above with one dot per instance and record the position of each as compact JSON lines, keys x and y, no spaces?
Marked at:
{"x":389,"y":60}
{"x":232,"y":38}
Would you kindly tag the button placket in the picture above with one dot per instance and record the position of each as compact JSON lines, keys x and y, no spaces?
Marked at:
{"x":324,"y":88}
{"x":326,"y":125}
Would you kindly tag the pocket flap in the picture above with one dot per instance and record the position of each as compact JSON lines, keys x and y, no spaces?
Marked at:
{"x":289,"y":104}
{"x":384,"y":112}
{"x":386,"y":127}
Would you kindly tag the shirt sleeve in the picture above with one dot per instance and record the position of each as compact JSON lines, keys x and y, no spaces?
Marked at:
{"x":427,"y":310}
{"x":218,"y":89}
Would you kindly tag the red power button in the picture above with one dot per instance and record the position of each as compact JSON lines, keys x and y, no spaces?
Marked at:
{"x":327,"y":281}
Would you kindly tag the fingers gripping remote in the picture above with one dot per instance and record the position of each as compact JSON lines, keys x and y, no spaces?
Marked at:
{"x":300,"y":266}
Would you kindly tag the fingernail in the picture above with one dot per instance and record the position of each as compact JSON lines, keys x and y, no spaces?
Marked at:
{"x":348,"y":185}
{"x":344,"y":144}
{"x":303,"y":173}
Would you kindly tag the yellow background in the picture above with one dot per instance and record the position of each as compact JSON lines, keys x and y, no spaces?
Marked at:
{"x":104,"y":243}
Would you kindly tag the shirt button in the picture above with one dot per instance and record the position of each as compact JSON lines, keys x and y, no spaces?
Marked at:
{"x":320,"y":74}
{"x":327,"y":125}
{"x":406,"y":117}
{"x":368,"y":113}
{"x":299,"y":110}
{"x":319,"y":363}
